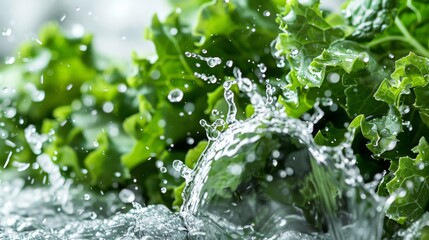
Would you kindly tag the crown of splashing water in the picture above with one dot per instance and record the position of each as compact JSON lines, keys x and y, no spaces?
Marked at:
{"x":249,"y":180}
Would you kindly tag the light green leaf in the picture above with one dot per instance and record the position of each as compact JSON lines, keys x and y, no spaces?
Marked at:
{"x":306,"y":35}
{"x":106,"y":154}
{"x":410,"y":72}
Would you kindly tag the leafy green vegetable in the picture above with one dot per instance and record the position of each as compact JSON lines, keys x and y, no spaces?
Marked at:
{"x":367,"y":67}
{"x":370,"y":17}
{"x":411,"y":185}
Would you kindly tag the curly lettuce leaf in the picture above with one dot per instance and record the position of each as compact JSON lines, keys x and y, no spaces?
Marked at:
{"x":410,"y":72}
{"x":411,"y":185}
{"x":306,"y":35}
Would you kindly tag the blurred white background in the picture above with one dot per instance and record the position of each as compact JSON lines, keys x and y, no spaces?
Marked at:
{"x":117,"y":25}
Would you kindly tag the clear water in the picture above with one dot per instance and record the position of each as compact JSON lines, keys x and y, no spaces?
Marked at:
{"x":32,"y":213}
{"x":259,"y":178}
{"x":265,"y":178}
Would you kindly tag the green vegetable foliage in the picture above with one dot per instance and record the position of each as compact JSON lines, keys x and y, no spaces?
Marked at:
{"x":106,"y":127}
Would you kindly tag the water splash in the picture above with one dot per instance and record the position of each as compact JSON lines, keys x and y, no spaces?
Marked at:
{"x":29,"y":214}
{"x":265,"y":178}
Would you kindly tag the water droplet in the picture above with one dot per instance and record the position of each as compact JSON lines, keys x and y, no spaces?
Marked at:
{"x":266,"y":13}
{"x":83,"y":47}
{"x":235,"y":169}
{"x":7,"y":159}
{"x":163,"y":169}
{"x":122,"y":87}
{"x":213,"y":61}
{"x":92,"y":215}
{"x":333,"y":77}
{"x":175,"y":95}
{"x":20,"y":166}
{"x":173,"y":31}
{"x":262,"y":67}
{"x":190,"y":140}
{"x":38,"y":95}
{"x":108,"y":107}
{"x":189,"y":107}
{"x":63,"y":18}
{"x":127,"y":196}
{"x":10,"y":112}
{"x":86,"y":197}
{"x":293,"y":51}
{"x":245,"y":84}
{"x":365,"y":59}
{"x":163,"y":190}
{"x":229,"y":63}
{"x":391,"y":145}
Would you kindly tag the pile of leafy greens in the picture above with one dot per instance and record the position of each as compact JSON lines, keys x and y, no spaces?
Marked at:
{"x":111,"y":128}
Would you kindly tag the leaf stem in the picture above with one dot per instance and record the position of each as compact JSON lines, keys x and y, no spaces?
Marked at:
{"x":386,"y":39}
{"x":410,"y":39}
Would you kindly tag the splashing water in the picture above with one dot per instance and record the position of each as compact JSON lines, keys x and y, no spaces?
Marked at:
{"x":30,"y":214}
{"x":265,"y":178}
{"x":68,"y":211}
{"x":259,"y":178}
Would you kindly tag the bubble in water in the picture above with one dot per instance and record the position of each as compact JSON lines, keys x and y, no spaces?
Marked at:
{"x":127,"y":196}
{"x":175,"y":95}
